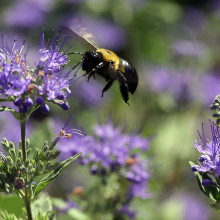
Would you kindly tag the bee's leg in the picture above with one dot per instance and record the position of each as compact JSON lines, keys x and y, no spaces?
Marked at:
{"x":107,"y":86}
{"x":124,"y":92}
{"x":92,"y":72}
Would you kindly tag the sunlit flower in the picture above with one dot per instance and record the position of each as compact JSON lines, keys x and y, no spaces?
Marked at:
{"x":210,"y":150}
{"x":47,"y":80}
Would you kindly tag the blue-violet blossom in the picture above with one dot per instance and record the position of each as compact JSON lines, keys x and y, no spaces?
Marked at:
{"x":18,"y":81}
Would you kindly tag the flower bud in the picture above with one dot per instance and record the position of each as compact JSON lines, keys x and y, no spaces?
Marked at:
{"x":49,"y":155}
{"x":49,"y":166}
{"x":65,"y":106}
{"x":94,"y":169}
{"x":28,"y":151}
{"x":60,"y":96}
{"x":23,"y":170}
{"x":27,"y":163}
{"x":202,"y":158}
{"x":40,"y":166}
{"x":56,"y":154}
{"x":28,"y":102}
{"x":17,"y":102}
{"x":84,"y":161}
{"x":195,"y":168}
{"x":18,"y":162}
{"x":28,"y":143}
{"x":45,"y":148}
{"x":42,"y":156}
{"x":36,"y":155}
{"x":9,"y":161}
{"x":20,"y":154}
{"x":39,"y":100}
{"x":207,"y":182}
{"x":103,"y":171}
{"x":32,"y":170}
{"x":12,"y":154}
{"x":5,"y":144}
{"x":24,"y":109}
{"x":45,"y":108}
{"x":11,"y":145}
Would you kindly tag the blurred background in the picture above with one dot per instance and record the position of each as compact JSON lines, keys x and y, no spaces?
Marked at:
{"x":175,"y":47}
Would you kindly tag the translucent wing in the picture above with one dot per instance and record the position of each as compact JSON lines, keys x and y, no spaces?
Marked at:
{"x":82,"y":32}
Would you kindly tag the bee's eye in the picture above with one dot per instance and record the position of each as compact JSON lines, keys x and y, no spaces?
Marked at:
{"x":111,"y":62}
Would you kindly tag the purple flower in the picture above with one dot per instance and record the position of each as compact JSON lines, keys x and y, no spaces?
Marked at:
{"x":68,"y":205}
{"x":111,"y":150}
{"x":15,"y":77}
{"x":207,"y":182}
{"x":210,"y":151}
{"x":209,"y":87}
{"x":47,"y":79}
{"x":51,"y":57}
{"x":175,"y":82}
{"x":23,"y":14}
{"x":127,"y":211}
{"x":188,"y":48}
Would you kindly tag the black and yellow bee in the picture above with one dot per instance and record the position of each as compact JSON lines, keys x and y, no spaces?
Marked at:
{"x":108,"y":65}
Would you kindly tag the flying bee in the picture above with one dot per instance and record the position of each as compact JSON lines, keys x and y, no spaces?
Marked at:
{"x":107,"y":64}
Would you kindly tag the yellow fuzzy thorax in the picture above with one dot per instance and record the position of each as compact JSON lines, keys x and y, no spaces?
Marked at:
{"x":108,"y":55}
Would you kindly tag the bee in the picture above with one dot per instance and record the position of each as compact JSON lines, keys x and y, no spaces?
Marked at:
{"x":107,"y":64}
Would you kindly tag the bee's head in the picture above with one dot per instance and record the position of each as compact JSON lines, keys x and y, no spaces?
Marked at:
{"x":90,"y":59}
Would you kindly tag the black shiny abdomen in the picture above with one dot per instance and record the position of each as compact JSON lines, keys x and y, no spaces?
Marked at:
{"x":130,"y":74}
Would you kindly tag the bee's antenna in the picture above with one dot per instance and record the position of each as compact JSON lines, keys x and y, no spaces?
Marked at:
{"x":77,"y":64}
{"x":76,"y":53}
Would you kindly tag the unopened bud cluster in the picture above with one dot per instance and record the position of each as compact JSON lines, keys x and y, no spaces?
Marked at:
{"x":13,"y":169}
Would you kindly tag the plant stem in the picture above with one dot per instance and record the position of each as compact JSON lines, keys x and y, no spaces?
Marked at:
{"x":24,"y":153}
{"x":23,"y":140}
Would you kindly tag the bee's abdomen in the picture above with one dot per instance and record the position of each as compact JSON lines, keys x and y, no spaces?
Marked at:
{"x":130,"y":75}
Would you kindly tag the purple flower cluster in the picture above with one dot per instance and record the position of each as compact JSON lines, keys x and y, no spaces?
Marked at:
{"x":46,"y":82}
{"x":175,"y":82}
{"x":110,"y":150}
{"x":185,"y":85}
{"x":209,"y":160}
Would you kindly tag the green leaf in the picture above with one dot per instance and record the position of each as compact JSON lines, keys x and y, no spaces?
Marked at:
{"x":41,"y":204}
{"x":32,"y":109}
{"x":216,"y":206}
{"x":55,"y":173}
{"x":19,"y":116}
{"x":77,"y":214}
{"x":210,"y":191}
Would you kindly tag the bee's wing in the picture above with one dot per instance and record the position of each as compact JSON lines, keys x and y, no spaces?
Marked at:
{"x":82,"y":32}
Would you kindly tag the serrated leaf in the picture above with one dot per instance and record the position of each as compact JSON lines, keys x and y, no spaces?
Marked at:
{"x":54,"y":174}
{"x":210,"y":191}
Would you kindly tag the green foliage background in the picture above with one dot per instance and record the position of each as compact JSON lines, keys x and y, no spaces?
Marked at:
{"x":150,"y":28}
